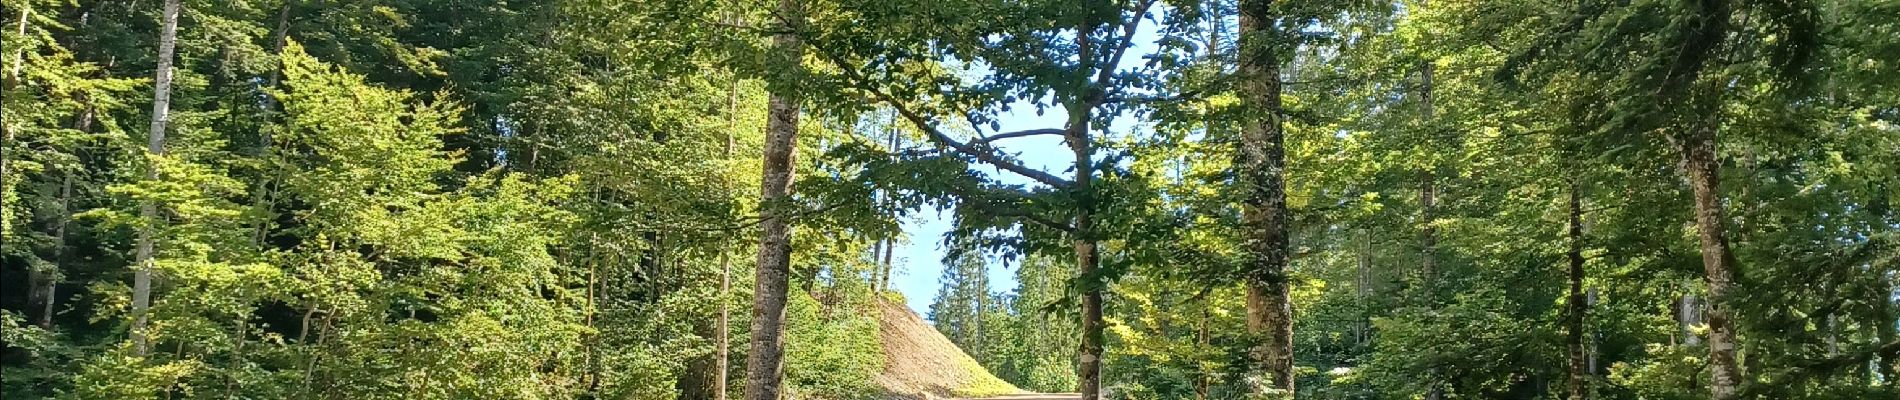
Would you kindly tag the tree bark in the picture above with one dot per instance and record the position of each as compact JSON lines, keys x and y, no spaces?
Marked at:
{"x":765,"y":363}
{"x":884,"y":279}
{"x":722,"y":345}
{"x":19,"y":55}
{"x":49,"y":283}
{"x":1578,"y":305}
{"x":148,"y":211}
{"x":1087,"y":254}
{"x":1089,"y":371}
{"x":1264,"y":212}
{"x":1699,"y":161}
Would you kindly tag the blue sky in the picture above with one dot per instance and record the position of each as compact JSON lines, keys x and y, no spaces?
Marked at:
{"x":919,"y":263}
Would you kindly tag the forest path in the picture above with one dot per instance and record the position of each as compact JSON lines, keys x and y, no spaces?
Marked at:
{"x":1036,"y":396}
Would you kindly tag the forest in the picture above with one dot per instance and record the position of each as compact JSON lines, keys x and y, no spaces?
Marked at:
{"x":1145,"y":199}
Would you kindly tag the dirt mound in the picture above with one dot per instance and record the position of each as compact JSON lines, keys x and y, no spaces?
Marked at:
{"x":921,"y":363}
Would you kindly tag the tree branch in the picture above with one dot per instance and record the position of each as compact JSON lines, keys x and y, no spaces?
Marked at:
{"x":1121,"y":48}
{"x":1017,"y":134}
{"x":980,"y":150}
{"x":1032,"y":217}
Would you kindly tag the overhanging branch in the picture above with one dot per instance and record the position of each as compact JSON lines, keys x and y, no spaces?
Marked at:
{"x":980,"y":150}
{"x":1017,"y":134}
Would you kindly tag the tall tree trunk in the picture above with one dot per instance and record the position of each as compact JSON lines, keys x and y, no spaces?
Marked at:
{"x":593,"y":311}
{"x":877,"y":253}
{"x":1087,"y":253}
{"x":884,"y":278}
{"x":1428,"y":209}
{"x":1884,"y":328}
{"x":1205,"y":378}
{"x":1264,"y":213}
{"x":1089,"y":372}
{"x":1695,"y":140}
{"x":1590,"y":367}
{"x":261,"y":188}
{"x":49,"y":283}
{"x":19,"y":55}
{"x":765,"y":363}
{"x":1699,"y":161}
{"x":722,"y":344}
{"x":982,"y":306}
{"x":6,"y":129}
{"x":148,"y":211}
{"x":1573,"y":319}
{"x":1363,"y":289}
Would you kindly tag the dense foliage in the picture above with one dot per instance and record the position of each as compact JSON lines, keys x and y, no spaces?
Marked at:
{"x":452,"y":199}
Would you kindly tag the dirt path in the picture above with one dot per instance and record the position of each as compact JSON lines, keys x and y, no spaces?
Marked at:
{"x":1036,"y":396}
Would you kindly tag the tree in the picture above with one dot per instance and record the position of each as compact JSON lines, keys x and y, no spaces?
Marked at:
{"x":1262,"y":162}
{"x":155,"y":145}
{"x":765,"y":363}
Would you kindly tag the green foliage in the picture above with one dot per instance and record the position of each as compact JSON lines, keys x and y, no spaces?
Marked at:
{"x":437,"y":199}
{"x":834,"y":351}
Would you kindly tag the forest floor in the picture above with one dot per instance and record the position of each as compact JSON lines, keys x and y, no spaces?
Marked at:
{"x":1036,"y":396}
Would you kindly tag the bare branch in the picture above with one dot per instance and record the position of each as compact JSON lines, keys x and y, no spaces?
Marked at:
{"x":1017,"y":134}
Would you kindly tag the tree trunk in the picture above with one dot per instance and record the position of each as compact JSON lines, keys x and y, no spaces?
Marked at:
{"x":1204,"y":337}
{"x":19,"y":55}
{"x":1087,"y":253}
{"x":1884,"y":328}
{"x":1573,"y":320}
{"x":1688,"y":315}
{"x":1362,"y":329}
{"x":6,"y":130}
{"x":148,"y":211}
{"x":593,"y":312}
{"x":982,"y":303}
{"x":765,"y":363}
{"x":722,"y":344}
{"x":261,"y":188}
{"x":1428,"y":210}
{"x":1699,"y":161}
{"x":1590,"y":353}
{"x":1264,"y":213}
{"x":1089,"y":371}
{"x":877,"y":253}
{"x":49,"y":283}
{"x":697,"y":380}
{"x":884,"y":279}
